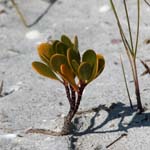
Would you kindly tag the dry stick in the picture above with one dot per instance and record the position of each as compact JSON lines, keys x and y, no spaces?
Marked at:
{"x":19,"y":13}
{"x":126,"y":84}
{"x":116,"y":140}
{"x":86,"y":111}
{"x":1,"y":88}
{"x":44,"y":131}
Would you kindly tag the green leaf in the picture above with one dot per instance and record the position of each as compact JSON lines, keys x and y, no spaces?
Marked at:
{"x":61,"y":48}
{"x":54,"y":45}
{"x":57,"y":60}
{"x":89,"y":56}
{"x":75,"y":66}
{"x":73,"y":56}
{"x":65,"y":39}
{"x":85,"y":71}
{"x":75,"y":46}
{"x":44,"y":70}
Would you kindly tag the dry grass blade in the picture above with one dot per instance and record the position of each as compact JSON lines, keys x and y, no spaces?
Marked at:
{"x":44,"y":131}
{"x":126,"y":84}
{"x":138,"y":27}
{"x":129,"y":26}
{"x":124,"y":39}
{"x":19,"y":13}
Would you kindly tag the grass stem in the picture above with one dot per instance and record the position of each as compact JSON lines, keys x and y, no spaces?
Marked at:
{"x":19,"y":13}
{"x":126,"y":84}
{"x":130,"y":50}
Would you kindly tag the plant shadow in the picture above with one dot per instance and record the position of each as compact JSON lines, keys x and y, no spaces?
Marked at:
{"x":115,"y":111}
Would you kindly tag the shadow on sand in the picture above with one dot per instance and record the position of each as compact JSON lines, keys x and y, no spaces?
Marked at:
{"x":115,"y":111}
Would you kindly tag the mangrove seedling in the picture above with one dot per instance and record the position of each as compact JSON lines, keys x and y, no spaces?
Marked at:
{"x":61,"y":61}
{"x":130,"y":47}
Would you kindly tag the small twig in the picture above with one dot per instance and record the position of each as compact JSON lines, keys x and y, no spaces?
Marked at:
{"x":122,"y":135}
{"x":44,"y":131}
{"x":147,"y":68}
{"x":1,"y":88}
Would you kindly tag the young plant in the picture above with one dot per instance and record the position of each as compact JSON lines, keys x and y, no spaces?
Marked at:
{"x":61,"y":61}
{"x":130,"y":48}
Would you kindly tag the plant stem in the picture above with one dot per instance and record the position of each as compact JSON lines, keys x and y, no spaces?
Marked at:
{"x":73,"y":109}
{"x":137,"y":89}
{"x":126,"y":84}
{"x":138,"y":27}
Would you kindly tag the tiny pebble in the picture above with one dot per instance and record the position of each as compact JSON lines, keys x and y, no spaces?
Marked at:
{"x":104,"y":8}
{"x":8,"y":136}
{"x":33,"y":34}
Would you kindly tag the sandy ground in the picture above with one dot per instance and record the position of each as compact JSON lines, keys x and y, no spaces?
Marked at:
{"x":33,"y":101}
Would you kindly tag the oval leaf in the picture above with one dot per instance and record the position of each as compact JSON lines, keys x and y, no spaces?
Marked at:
{"x":73,"y":56}
{"x":44,"y":70}
{"x":68,"y":75}
{"x":100,"y":64}
{"x":61,"y":48}
{"x":65,"y":39}
{"x":85,"y":71}
{"x":45,"y":51}
{"x":57,"y":60}
{"x":89,"y":56}
{"x":54,"y":45}
{"x":75,"y":66}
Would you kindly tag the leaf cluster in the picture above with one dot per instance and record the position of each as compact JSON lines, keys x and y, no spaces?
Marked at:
{"x":61,"y":60}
